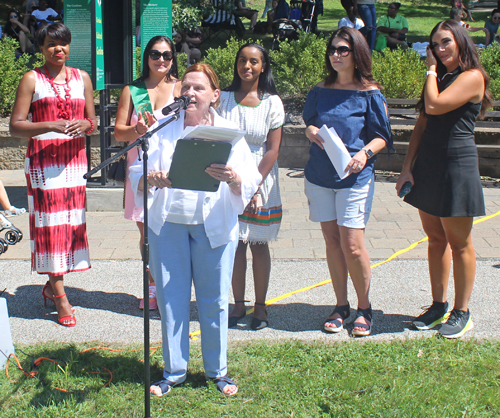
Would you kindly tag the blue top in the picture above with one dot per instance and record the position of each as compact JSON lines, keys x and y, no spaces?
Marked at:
{"x":358,"y":117}
{"x":492,"y":29}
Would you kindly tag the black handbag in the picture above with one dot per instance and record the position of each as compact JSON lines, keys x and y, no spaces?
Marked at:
{"x":117,"y":169}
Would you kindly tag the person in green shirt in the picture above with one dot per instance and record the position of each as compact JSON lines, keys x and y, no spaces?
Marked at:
{"x":394,"y":27}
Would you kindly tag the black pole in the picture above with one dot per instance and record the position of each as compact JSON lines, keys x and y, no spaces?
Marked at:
{"x":145,"y":275}
{"x":143,"y":141}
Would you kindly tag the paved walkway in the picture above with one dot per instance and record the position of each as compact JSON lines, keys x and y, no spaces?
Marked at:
{"x":106,"y":296}
{"x":393,"y":225}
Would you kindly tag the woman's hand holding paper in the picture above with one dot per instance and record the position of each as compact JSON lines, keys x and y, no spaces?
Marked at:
{"x":313,"y":136}
{"x":159,"y":179}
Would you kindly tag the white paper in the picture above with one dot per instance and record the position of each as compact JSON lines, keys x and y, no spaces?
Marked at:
{"x":212,"y":133}
{"x":336,"y":150}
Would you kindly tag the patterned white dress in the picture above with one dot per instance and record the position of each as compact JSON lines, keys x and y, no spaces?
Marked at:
{"x":54,"y":167}
{"x":262,"y":227}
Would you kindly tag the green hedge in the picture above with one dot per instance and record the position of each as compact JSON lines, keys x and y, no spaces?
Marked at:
{"x":490,"y":58}
{"x":297,"y":67}
{"x":401,"y":72}
{"x":12,"y":70}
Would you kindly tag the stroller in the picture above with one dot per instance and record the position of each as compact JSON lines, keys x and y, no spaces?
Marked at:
{"x":284,"y":28}
{"x":304,"y":12}
{"x":12,"y":235}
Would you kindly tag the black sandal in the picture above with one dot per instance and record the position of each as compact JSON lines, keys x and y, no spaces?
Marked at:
{"x":256,"y":323}
{"x":366,"y":329}
{"x":344,"y":311}
{"x":224,"y":381}
{"x":165,"y":386}
{"x":232,"y":321}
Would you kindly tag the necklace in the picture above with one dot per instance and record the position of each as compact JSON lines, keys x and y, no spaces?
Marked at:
{"x":64,"y":106}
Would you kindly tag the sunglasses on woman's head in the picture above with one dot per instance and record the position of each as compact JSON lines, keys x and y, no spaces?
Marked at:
{"x":343,"y":51}
{"x":155,"y":55}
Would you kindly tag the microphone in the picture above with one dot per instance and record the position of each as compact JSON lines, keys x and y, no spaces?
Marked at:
{"x":178,"y":104}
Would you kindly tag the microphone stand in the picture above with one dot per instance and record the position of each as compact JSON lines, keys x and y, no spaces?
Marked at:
{"x":143,"y":141}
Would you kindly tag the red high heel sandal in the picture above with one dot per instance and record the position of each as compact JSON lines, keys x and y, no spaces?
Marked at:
{"x":72,"y":318}
{"x":45,"y":297}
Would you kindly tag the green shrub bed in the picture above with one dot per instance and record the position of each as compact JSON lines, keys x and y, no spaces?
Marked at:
{"x":297,"y":67}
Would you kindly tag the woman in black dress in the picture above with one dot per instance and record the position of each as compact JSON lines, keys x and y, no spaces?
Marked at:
{"x":442,"y":166}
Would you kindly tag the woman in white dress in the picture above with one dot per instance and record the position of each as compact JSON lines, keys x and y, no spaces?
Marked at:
{"x":252,"y":102}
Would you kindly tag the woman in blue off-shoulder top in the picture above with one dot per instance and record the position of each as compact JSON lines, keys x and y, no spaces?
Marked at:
{"x":350,"y":101}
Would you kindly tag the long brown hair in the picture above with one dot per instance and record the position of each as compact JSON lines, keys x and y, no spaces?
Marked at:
{"x":172,"y":73}
{"x":361,"y":55}
{"x":468,"y":59}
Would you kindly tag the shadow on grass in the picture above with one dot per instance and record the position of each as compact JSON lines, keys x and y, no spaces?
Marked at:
{"x":78,"y":375}
{"x":302,"y":317}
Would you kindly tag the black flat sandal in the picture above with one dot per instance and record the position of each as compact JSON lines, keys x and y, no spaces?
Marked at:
{"x":224,"y":381}
{"x":233,"y":320}
{"x":366,"y":329}
{"x":165,"y":386}
{"x":344,"y":311}
{"x":256,"y":323}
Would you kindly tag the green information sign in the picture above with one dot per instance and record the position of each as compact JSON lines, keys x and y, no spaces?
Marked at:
{"x":99,"y":47}
{"x":84,"y":19}
{"x":156,"y":19}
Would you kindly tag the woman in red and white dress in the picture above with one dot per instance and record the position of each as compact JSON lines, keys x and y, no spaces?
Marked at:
{"x":54,"y":107}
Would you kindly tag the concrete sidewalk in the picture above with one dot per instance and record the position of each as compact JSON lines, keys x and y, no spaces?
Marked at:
{"x":106,"y":297}
{"x":393,"y":225}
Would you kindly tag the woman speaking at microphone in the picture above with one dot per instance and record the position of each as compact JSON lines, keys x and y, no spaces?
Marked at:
{"x":140,"y":105}
{"x":193,"y":236}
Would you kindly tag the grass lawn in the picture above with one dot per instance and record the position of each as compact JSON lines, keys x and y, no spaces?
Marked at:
{"x":423,"y":377}
{"x":422,"y":16}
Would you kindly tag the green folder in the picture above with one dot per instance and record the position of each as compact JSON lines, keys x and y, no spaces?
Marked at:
{"x":191,"y":158}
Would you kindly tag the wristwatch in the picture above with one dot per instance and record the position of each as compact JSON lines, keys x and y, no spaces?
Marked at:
{"x":369,"y":153}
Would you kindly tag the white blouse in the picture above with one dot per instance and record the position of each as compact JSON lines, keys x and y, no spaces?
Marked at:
{"x":220,"y":209}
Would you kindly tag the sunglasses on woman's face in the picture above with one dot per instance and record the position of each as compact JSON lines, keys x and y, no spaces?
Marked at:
{"x":342,"y":51}
{"x":155,"y":55}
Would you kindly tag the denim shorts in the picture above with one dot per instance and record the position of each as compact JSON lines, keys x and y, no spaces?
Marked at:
{"x":351,"y":207}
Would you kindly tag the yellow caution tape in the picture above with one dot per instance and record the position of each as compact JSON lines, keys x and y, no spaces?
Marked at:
{"x":392,"y":257}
